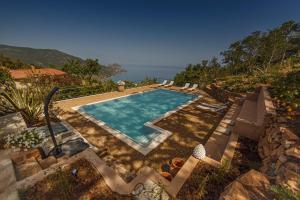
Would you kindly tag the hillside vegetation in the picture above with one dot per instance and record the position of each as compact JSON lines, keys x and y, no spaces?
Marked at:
{"x":270,"y":57}
{"x":37,"y":57}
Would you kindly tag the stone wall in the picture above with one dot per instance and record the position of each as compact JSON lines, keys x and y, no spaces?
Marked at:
{"x":218,"y":93}
{"x":279,"y":149}
{"x":251,"y":185}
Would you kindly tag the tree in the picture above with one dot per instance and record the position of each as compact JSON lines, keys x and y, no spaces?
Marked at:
{"x":91,"y":68}
{"x":73,"y":67}
{"x":85,"y":70}
{"x":11,"y":64}
{"x":257,"y":51}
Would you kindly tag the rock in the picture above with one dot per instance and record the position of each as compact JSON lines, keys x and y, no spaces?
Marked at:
{"x":261,"y":152}
{"x":293,"y":166}
{"x":235,"y":191}
{"x":254,"y":178}
{"x":263,"y":169}
{"x":274,"y":145}
{"x":282,"y":158}
{"x":289,"y":177}
{"x":150,"y":190}
{"x":266,"y":150}
{"x":293,"y":151}
{"x":251,"y":185}
{"x":279,"y":162}
{"x":45,"y":163}
{"x":288,"y":135}
{"x":279,"y":151}
{"x":287,"y":144}
{"x":281,"y":120}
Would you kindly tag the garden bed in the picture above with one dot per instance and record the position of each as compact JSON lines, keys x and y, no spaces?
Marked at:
{"x":88,"y":184}
{"x":207,"y":182}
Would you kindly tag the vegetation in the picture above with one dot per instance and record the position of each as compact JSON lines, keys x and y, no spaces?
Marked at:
{"x":284,"y":192}
{"x":90,"y":70}
{"x":88,"y":184}
{"x":28,"y":101}
{"x":84,"y":70}
{"x":202,"y":73}
{"x":4,"y":75}
{"x":78,"y":91}
{"x":286,"y":88}
{"x":11,"y":64}
{"x":26,"y":140}
{"x":37,"y":57}
{"x":252,"y":58}
{"x":207,"y":182}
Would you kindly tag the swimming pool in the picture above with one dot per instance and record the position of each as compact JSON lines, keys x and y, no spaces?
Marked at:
{"x":130,"y":117}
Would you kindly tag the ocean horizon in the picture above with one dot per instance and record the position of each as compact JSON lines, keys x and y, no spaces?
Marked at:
{"x":137,"y":73}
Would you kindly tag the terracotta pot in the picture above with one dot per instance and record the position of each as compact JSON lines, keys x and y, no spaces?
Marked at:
{"x":121,"y":88}
{"x":177,"y":162}
{"x":166,"y":175}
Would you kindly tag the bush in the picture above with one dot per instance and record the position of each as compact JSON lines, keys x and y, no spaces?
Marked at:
{"x":29,"y":101}
{"x":284,"y":192}
{"x":4,"y":76}
{"x":147,"y":81}
{"x":25,"y":140}
{"x":97,"y":87}
{"x":287,"y":88}
{"x":79,"y":91}
{"x":130,"y":84}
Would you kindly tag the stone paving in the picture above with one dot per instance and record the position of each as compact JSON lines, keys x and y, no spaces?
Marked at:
{"x":189,"y":126}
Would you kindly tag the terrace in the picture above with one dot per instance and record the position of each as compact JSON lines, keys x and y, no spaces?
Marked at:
{"x":189,"y":126}
{"x":122,"y":168}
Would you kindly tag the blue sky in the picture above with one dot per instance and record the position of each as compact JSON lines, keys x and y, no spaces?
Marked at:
{"x":174,"y":32}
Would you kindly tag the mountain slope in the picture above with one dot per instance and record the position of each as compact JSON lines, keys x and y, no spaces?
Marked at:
{"x":38,"y":57}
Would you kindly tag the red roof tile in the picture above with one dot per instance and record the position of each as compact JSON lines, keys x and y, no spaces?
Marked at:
{"x":25,"y":73}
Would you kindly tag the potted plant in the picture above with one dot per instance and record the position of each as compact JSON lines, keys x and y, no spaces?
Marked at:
{"x":121,"y":86}
{"x":166,"y":175}
{"x":177,"y":163}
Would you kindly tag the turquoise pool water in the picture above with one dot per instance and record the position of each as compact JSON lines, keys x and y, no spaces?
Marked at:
{"x":129,"y":114}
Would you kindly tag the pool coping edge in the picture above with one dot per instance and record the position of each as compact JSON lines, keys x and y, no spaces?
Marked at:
{"x":164,"y":134}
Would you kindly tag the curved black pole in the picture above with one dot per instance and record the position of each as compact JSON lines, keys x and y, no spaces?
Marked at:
{"x":56,"y":150}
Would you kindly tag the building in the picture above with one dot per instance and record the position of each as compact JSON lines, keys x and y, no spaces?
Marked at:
{"x":20,"y":74}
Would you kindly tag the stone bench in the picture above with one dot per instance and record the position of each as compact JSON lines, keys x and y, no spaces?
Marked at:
{"x":251,"y":119}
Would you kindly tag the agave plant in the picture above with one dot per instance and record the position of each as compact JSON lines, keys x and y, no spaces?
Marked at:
{"x":27,"y":100}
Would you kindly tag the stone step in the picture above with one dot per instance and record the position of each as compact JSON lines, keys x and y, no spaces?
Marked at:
{"x":217,"y":144}
{"x":7,"y":178}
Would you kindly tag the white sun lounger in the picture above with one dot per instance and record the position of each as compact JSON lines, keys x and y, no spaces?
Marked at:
{"x":206,"y":108}
{"x":170,"y":84}
{"x":185,"y":86}
{"x":193,"y":87}
{"x":163,"y":83}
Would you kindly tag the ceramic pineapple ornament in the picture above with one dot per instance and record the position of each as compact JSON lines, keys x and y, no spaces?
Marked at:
{"x":199,"y":152}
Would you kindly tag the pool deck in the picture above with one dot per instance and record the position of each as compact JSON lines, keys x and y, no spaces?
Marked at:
{"x":189,"y":126}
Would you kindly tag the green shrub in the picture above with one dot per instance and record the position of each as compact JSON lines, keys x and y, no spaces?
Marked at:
{"x":4,"y":76}
{"x":79,"y":91}
{"x":286,"y":88}
{"x":284,"y":192}
{"x":130,"y":84}
{"x":28,"y":100}
{"x":25,"y":140}
{"x":147,"y":81}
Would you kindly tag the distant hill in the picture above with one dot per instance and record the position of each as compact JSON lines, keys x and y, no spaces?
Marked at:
{"x":37,"y":57}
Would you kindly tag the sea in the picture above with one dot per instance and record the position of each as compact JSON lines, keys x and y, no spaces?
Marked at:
{"x":137,"y":73}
